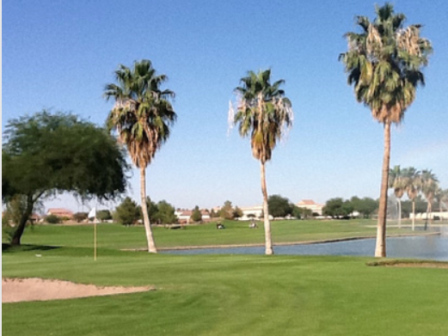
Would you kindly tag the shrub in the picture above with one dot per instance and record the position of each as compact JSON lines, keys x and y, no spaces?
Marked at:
{"x":103,"y":215}
{"x":196,"y":216}
{"x":52,"y":219}
{"x":80,"y":216}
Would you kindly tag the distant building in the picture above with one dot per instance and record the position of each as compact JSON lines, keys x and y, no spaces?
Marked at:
{"x":35,"y":218}
{"x":60,"y":212}
{"x":205,"y":215}
{"x":254,"y":212}
{"x":311,"y":205}
{"x":184,"y":215}
{"x":432,"y":215}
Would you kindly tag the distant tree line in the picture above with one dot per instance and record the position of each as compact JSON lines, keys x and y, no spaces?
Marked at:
{"x":129,"y":212}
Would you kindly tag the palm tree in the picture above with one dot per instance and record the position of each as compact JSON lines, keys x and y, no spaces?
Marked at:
{"x":413,"y":187}
{"x":265,"y":114}
{"x":383,"y":63}
{"x":443,"y":201}
{"x":441,"y":197}
{"x":142,"y":116}
{"x":429,"y":189}
{"x":397,"y":182}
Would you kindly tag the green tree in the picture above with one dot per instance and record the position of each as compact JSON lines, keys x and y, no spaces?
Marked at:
{"x":103,"y":215}
{"x":300,"y":213}
{"x":365,"y":206}
{"x":264,"y":114}
{"x":128,"y":212}
{"x":46,"y":154}
{"x":153,"y":210}
{"x":142,"y":116}
{"x":166,"y":213}
{"x":226,"y":211}
{"x":52,"y":219}
{"x":279,"y":206}
{"x":337,"y":207}
{"x":384,"y":64}
{"x":80,"y":216}
{"x":196,"y":215}
{"x":15,"y":208}
{"x":237,"y":213}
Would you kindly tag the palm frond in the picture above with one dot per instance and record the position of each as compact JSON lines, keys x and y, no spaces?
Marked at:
{"x":142,"y":113}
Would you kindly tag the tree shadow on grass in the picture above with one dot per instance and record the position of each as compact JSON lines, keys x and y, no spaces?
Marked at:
{"x":8,"y":248}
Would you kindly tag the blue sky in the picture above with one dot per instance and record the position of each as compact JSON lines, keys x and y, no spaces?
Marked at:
{"x":60,"y":55}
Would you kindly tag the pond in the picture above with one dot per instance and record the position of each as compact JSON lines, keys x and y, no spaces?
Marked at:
{"x":417,"y":247}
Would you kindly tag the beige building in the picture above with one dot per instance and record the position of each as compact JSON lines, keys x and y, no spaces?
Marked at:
{"x":60,"y":212}
{"x":254,"y":212}
{"x":311,"y":205}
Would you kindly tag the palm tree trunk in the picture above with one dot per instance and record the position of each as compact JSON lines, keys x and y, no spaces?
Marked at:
{"x":399,"y":213}
{"x":413,"y":215}
{"x":149,"y":236}
{"x":427,"y":216}
{"x":380,"y":249}
{"x":17,"y":236}
{"x":267,"y":224}
{"x":430,"y":213}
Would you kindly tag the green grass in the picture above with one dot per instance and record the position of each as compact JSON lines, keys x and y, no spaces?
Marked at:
{"x":121,"y":237}
{"x":228,"y":295}
{"x":221,"y":294}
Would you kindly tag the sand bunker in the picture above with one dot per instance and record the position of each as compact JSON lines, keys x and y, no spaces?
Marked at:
{"x":35,"y":289}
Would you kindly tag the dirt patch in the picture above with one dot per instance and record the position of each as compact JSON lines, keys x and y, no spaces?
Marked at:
{"x":407,"y":264}
{"x":419,"y":265}
{"x":36,"y":289}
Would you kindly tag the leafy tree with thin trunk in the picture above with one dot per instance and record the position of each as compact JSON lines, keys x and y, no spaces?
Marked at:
{"x":127,"y":212}
{"x":384,"y":64}
{"x":264,"y":114}
{"x":279,"y":206}
{"x":196,"y":215}
{"x":47,"y":154}
{"x":413,"y":187}
{"x":398,"y":184}
{"x":142,"y":116}
{"x":429,"y":189}
{"x":166,"y":213}
{"x":226,"y":211}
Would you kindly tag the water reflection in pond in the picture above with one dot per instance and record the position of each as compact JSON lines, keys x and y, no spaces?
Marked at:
{"x":428,"y":247}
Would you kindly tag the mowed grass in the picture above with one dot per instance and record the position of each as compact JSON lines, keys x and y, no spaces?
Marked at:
{"x":221,"y":294}
{"x":228,"y":295}
{"x":117,"y":236}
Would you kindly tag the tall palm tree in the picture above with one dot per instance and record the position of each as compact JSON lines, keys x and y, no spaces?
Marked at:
{"x":383,"y":63}
{"x":142,"y":116}
{"x":265,"y":114}
{"x":398,"y":183}
{"x":413,"y":187}
{"x":429,"y":189}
